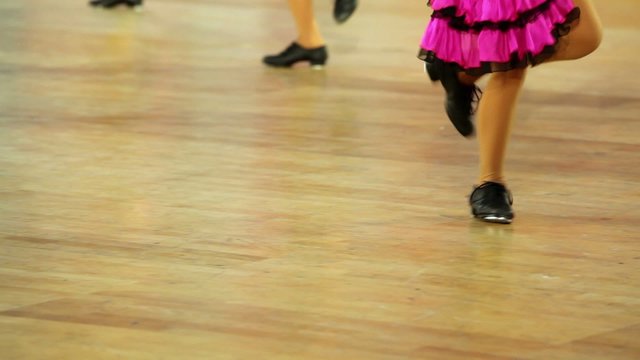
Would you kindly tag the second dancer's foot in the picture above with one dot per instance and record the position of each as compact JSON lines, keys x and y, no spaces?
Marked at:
{"x":317,"y":57}
{"x":114,"y":3}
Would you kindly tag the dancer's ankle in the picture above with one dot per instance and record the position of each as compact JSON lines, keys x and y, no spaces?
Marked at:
{"x":310,"y":44}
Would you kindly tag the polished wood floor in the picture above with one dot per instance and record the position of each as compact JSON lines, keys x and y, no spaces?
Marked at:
{"x":165,"y":196}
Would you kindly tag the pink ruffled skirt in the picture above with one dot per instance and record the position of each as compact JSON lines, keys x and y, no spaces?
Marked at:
{"x":482,"y":36}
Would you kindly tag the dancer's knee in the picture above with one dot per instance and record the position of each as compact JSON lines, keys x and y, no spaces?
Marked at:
{"x":591,"y":33}
{"x":594,"y":41}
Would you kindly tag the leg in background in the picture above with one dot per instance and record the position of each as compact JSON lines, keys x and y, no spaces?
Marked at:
{"x":308,"y":31}
{"x":309,"y":46}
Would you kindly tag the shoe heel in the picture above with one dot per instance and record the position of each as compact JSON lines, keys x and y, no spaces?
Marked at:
{"x":317,"y":64}
{"x":433,"y":71}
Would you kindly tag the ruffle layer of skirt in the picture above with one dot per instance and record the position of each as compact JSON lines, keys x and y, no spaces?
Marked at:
{"x":478,"y":49}
{"x":492,"y":10}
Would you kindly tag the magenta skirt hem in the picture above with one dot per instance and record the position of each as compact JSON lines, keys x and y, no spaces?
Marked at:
{"x":489,"y":46}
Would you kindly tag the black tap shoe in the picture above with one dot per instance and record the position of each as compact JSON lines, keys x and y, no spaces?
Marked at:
{"x":316,"y":57}
{"x":492,"y":202}
{"x":460,"y":97}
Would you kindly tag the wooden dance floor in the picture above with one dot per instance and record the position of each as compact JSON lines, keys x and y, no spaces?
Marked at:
{"x":163,"y":195}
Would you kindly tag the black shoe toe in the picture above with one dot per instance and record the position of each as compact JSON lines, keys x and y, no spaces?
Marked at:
{"x":492,"y":202}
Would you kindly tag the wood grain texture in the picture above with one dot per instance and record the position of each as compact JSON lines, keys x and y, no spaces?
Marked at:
{"x":165,"y":196}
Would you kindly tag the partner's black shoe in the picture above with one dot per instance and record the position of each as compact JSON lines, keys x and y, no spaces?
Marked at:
{"x":460,"y":97}
{"x":492,"y":202}
{"x":114,"y":3}
{"x":343,"y":9}
{"x":316,"y":57}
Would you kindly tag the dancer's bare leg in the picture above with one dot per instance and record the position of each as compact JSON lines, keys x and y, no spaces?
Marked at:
{"x":494,"y":118}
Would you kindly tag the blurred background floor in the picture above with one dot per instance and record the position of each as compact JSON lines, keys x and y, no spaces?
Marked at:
{"x":165,"y":196}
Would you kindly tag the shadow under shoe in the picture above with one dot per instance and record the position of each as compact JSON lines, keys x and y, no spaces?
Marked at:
{"x":114,"y":3}
{"x":492,"y":202}
{"x":343,"y":9}
{"x":317,"y":57}
{"x":460,"y":97}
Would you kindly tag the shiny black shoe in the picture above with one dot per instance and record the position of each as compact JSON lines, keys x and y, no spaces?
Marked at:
{"x":316,"y":57}
{"x":114,"y":3}
{"x":343,"y":9}
{"x":460,"y":97}
{"x":492,"y":202}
